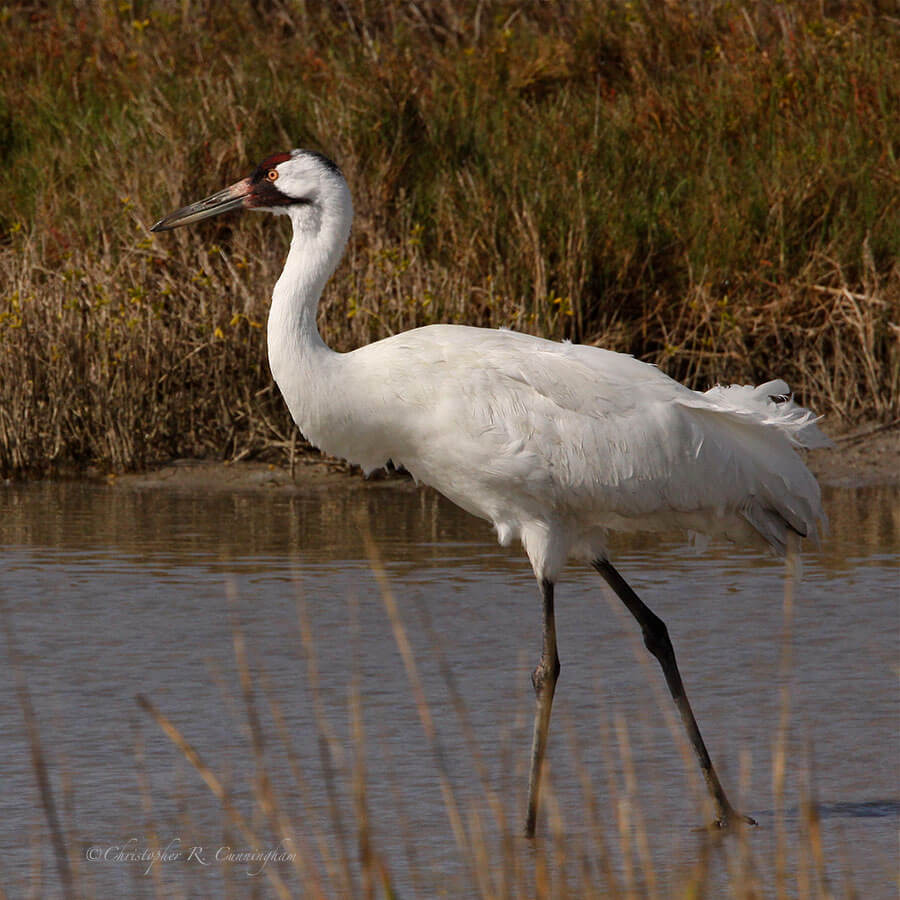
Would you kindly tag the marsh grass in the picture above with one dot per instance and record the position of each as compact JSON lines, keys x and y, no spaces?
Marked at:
{"x":711,"y":186}
{"x":337,"y":840}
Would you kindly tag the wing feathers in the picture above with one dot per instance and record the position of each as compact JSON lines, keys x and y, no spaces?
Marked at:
{"x":528,"y":428}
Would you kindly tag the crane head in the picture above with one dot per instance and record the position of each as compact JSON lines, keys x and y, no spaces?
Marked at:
{"x":280,"y":183}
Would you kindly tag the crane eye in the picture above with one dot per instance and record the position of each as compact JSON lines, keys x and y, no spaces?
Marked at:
{"x":272,"y":175}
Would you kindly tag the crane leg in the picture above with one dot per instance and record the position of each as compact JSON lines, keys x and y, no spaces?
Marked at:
{"x":656,"y":639}
{"x":544,"y":680}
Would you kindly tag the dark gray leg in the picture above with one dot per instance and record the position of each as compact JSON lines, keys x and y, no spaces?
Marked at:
{"x":544,"y":680}
{"x":656,"y":639}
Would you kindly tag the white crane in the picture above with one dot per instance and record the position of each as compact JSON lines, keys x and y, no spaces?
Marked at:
{"x":554,"y":443}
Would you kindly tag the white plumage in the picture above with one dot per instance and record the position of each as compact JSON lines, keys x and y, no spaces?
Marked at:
{"x":556,"y":444}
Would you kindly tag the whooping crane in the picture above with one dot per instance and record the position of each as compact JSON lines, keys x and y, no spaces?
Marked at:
{"x":554,"y":443}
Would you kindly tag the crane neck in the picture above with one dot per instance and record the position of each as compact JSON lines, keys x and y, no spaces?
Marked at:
{"x":320,"y":232}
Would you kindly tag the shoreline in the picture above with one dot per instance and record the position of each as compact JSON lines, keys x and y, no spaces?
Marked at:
{"x":865,"y":458}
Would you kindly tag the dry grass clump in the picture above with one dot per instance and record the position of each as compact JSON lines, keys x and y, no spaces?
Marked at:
{"x":711,"y":186}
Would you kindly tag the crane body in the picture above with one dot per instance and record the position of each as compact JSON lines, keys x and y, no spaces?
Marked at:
{"x":555,"y":444}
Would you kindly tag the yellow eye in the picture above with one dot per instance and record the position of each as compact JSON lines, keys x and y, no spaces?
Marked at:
{"x":272,"y":175}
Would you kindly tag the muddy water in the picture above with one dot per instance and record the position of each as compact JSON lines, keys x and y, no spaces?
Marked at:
{"x":111,"y":592}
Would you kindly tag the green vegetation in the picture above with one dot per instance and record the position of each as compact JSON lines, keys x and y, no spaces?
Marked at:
{"x":709,"y":185}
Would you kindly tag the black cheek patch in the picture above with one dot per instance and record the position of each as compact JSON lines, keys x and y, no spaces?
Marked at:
{"x":265,"y":193}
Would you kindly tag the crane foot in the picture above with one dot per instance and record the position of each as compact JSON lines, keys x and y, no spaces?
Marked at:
{"x":729,"y":822}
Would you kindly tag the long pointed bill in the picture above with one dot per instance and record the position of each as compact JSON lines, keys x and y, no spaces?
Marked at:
{"x":229,"y":198}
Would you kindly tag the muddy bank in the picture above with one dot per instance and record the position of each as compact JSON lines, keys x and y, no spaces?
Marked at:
{"x":867,"y":456}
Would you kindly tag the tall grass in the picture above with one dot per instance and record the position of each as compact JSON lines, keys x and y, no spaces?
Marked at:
{"x":709,"y":185}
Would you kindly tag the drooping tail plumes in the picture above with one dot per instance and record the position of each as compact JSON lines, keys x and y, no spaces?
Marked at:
{"x":786,"y":495}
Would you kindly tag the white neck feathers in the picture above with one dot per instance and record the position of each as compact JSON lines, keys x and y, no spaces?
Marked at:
{"x":304,"y":368}
{"x":320,"y":231}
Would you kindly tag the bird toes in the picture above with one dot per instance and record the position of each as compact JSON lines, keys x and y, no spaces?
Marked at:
{"x":730,"y":821}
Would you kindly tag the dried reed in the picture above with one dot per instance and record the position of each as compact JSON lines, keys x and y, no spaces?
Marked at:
{"x":711,"y":186}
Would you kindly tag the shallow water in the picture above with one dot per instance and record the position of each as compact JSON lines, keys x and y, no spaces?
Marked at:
{"x":111,"y":592}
